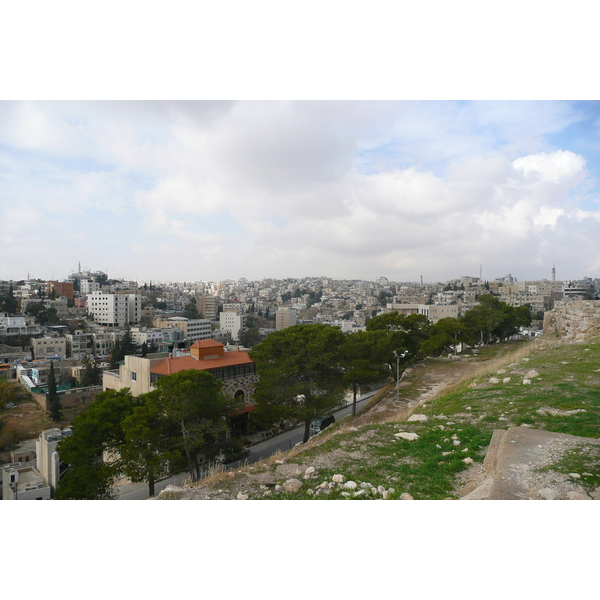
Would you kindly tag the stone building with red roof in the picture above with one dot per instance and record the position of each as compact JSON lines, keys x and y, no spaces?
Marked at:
{"x":235,"y":369}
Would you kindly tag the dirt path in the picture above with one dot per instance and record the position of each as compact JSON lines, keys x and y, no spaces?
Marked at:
{"x":419,"y":383}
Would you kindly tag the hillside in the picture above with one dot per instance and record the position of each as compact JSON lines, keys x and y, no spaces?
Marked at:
{"x":456,"y":404}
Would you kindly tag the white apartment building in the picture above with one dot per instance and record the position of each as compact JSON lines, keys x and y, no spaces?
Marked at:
{"x":193,"y":329}
{"x":233,"y":323}
{"x":142,"y":335}
{"x":17,"y":325}
{"x":88,"y":286}
{"x":115,"y":310}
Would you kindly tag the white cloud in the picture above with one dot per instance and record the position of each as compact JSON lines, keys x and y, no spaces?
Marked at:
{"x":278,"y":188}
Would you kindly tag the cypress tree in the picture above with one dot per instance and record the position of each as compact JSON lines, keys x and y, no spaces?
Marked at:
{"x":52,"y":396}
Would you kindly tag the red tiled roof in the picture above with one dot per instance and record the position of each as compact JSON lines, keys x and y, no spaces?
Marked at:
{"x":184,"y":363}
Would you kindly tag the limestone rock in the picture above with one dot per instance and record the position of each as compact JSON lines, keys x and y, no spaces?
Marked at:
{"x":494,"y":380}
{"x":575,"y":475}
{"x":526,"y":381}
{"x":350,"y":485}
{"x":406,"y":435}
{"x":406,"y":496}
{"x":310,"y":471}
{"x":338,"y":478}
{"x":531,"y":374}
{"x":506,"y":380}
{"x":292,"y":485}
{"x":418,"y":417}
{"x":468,"y":460}
{"x":241,"y":496}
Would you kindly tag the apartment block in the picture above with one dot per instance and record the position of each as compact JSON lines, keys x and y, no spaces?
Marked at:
{"x":233,"y":323}
{"x":285,"y":317}
{"x":115,"y":310}
{"x":49,"y":346}
{"x":193,"y":329}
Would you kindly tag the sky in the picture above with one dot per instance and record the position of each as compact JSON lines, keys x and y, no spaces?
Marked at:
{"x":212,"y":190}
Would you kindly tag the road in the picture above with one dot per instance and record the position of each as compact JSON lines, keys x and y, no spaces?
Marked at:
{"x":282,"y":443}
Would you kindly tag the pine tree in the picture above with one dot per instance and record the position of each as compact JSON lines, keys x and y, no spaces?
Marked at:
{"x":52,"y":396}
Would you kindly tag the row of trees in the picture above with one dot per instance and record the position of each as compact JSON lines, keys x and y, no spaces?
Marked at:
{"x":146,"y":438}
{"x":305,"y":370}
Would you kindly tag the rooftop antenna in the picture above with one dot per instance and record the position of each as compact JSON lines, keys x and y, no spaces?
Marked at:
{"x":553,"y":273}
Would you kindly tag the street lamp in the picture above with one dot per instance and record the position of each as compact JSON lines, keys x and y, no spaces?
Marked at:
{"x":398,"y":357}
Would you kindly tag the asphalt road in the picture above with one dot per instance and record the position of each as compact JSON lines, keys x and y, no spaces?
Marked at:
{"x":279,"y":443}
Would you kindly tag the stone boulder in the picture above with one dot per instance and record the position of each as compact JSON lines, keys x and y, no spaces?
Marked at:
{"x":417,"y":417}
{"x":292,"y":486}
{"x":407,"y":435}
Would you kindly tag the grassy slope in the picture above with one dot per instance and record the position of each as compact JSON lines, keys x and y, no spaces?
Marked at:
{"x":568,"y":379}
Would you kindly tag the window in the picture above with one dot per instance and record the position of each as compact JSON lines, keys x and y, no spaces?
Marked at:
{"x":133,"y":376}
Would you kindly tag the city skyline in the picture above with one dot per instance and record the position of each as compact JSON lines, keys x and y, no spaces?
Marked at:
{"x":207,"y":190}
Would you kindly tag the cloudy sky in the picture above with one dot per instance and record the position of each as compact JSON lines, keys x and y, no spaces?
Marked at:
{"x":209,"y":190}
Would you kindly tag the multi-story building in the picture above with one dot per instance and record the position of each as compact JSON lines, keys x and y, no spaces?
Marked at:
{"x":79,"y":344}
{"x":193,"y":329}
{"x":143,"y":335}
{"x":18,"y":325}
{"x":115,"y":310}
{"x":233,"y":323}
{"x":24,"y":481}
{"x":88,"y":285}
{"x":434,"y":312}
{"x":134,"y":374}
{"x":285,"y":317}
{"x":49,"y":346}
{"x":62,"y":288}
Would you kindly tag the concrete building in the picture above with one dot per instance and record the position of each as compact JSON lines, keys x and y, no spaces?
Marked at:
{"x":79,"y":344}
{"x":62,"y":288}
{"x":285,"y":317}
{"x":115,"y":310}
{"x":18,"y":325}
{"x":233,"y":323}
{"x":434,"y":312}
{"x":193,"y":329}
{"x":23,"y":483}
{"x":208,"y":307}
{"x":49,"y":346}
{"x":47,"y":459}
{"x":133,"y":374}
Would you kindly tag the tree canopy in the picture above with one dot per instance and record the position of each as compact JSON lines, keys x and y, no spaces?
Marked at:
{"x":193,"y":402}
{"x":365,"y":358}
{"x":300,"y":374}
{"x":91,"y":374}
{"x":96,"y":433}
{"x":53,"y":397}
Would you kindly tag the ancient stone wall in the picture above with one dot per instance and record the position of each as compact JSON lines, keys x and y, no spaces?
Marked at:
{"x":575,"y":321}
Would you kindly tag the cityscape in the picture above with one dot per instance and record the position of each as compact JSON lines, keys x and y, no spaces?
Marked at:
{"x":77,"y":329}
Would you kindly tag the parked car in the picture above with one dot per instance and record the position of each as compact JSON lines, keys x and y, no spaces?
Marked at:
{"x":319,"y":424}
